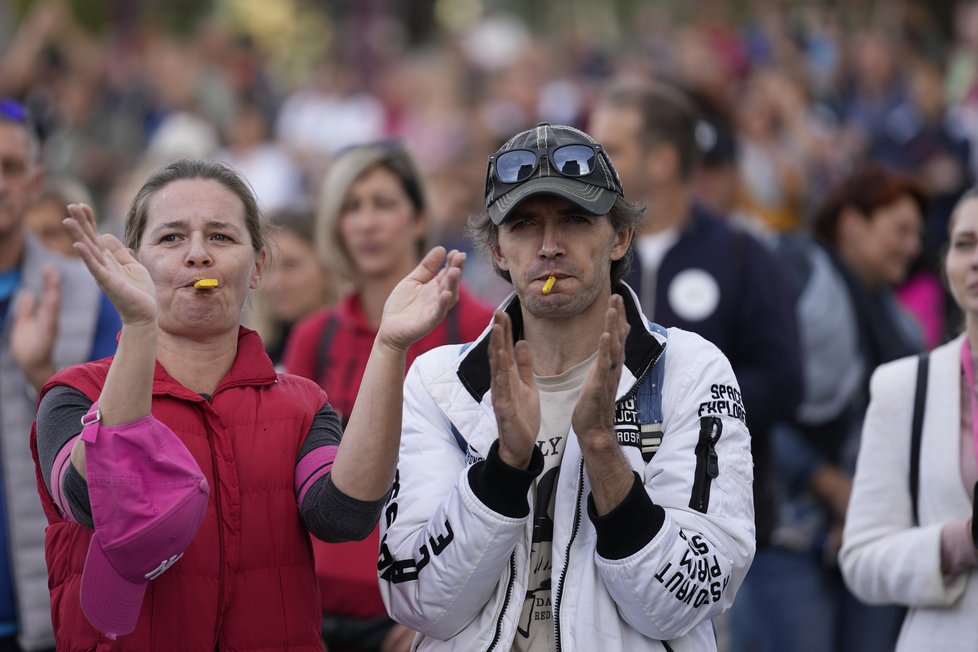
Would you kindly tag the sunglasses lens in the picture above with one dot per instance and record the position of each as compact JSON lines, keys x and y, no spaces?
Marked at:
{"x":574,"y":160}
{"x":515,"y":166}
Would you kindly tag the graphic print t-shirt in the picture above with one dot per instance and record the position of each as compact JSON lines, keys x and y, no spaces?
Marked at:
{"x":558,"y":396}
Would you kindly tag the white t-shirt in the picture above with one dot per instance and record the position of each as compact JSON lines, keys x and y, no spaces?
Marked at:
{"x":651,"y":249}
{"x":558,"y":397}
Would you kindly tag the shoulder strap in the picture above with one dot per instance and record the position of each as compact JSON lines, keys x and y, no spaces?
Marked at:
{"x":649,"y":395}
{"x":916,"y":432}
{"x":325,"y":342}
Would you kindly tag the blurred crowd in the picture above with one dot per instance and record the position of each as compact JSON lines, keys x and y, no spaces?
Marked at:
{"x":796,"y":93}
{"x":793,"y":101}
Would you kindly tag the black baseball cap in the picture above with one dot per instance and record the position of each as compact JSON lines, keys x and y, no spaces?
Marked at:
{"x":582,"y":175}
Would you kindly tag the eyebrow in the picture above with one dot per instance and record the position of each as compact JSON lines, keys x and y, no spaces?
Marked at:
{"x":214,"y":225}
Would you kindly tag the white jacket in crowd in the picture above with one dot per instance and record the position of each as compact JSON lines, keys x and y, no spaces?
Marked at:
{"x":885,"y":557}
{"x":456,"y":571}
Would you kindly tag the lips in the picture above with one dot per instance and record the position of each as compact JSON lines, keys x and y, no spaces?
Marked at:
{"x":558,"y":276}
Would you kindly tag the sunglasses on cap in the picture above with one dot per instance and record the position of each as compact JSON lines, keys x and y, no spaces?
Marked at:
{"x":13,"y":111}
{"x":518,"y":165}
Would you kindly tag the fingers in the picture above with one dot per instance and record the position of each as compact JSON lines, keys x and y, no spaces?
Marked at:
{"x":429,"y":266}
{"x":119,"y":251}
{"x":611,"y":346}
{"x":456,"y":259}
{"x":499,"y":361}
{"x":50,"y":298}
{"x":524,"y":362}
{"x":81,"y":224}
{"x":23,"y":307}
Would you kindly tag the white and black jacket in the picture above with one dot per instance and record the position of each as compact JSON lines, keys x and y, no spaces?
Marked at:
{"x":456,"y":533}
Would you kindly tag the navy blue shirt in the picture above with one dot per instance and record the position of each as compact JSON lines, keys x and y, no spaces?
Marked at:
{"x":723,"y":284}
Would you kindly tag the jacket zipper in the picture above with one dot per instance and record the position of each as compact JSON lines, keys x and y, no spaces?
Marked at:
{"x":577,"y":515}
{"x":570,"y":543}
{"x":509,"y":595}
{"x":220,"y":538}
{"x":707,"y":463}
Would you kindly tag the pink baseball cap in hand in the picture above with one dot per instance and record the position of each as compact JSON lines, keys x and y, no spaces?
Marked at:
{"x":148,"y":499}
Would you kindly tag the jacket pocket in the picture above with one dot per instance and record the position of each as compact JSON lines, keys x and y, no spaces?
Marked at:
{"x":707,"y":463}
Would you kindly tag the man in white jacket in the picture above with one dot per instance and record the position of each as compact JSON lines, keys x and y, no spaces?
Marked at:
{"x":588,"y":487}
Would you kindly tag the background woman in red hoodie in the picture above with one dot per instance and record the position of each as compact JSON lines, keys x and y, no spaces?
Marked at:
{"x":372,"y":228}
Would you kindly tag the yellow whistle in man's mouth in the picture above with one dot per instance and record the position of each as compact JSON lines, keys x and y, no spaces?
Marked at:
{"x":206,"y":284}
{"x":549,"y":285}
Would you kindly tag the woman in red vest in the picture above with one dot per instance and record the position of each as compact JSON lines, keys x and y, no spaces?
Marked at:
{"x":266,"y":446}
{"x":372,"y":228}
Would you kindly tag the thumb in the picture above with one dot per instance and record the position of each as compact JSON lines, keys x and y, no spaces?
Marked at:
{"x":428,"y":268}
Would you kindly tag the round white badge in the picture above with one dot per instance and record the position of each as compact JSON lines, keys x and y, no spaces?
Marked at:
{"x":694,"y":294}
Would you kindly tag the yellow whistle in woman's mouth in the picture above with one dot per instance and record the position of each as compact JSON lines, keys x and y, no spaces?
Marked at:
{"x":549,"y":285}
{"x":206,"y":284}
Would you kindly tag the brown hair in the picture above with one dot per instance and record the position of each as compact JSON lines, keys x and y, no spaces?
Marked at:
{"x":870,"y":188}
{"x":185,"y":169}
{"x":667,"y":114}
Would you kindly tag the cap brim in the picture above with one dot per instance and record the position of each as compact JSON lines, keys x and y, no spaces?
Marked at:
{"x":110,"y":602}
{"x":593,"y":199}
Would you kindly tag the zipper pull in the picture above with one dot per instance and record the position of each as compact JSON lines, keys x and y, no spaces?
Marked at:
{"x":712,"y":463}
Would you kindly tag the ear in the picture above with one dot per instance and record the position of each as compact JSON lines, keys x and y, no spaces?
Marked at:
{"x":260,"y":259}
{"x":497,"y":257}
{"x":623,"y":240}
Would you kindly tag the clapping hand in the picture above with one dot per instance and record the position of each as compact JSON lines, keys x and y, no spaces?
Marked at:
{"x":594,"y":414}
{"x":422,"y":299}
{"x":123,"y":279}
{"x":35,"y":328}
{"x":515,"y":398}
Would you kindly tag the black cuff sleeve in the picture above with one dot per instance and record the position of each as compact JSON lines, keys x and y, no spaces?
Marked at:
{"x":501,"y":487}
{"x":628,"y":527}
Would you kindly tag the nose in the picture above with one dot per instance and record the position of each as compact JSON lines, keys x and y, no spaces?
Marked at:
{"x":550,"y":240}
{"x":361,"y":217}
{"x":198,"y":254}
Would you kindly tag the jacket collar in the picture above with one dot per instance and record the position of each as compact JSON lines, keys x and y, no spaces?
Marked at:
{"x":251,"y":366}
{"x":641,"y":348}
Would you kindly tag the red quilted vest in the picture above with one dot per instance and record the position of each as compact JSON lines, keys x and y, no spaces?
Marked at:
{"x":247,"y":581}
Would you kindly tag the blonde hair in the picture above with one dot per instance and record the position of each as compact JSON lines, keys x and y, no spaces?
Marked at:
{"x":349,"y":166}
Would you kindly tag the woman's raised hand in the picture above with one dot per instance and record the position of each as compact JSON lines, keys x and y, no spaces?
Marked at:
{"x":123,"y":279}
{"x":422,"y":299}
